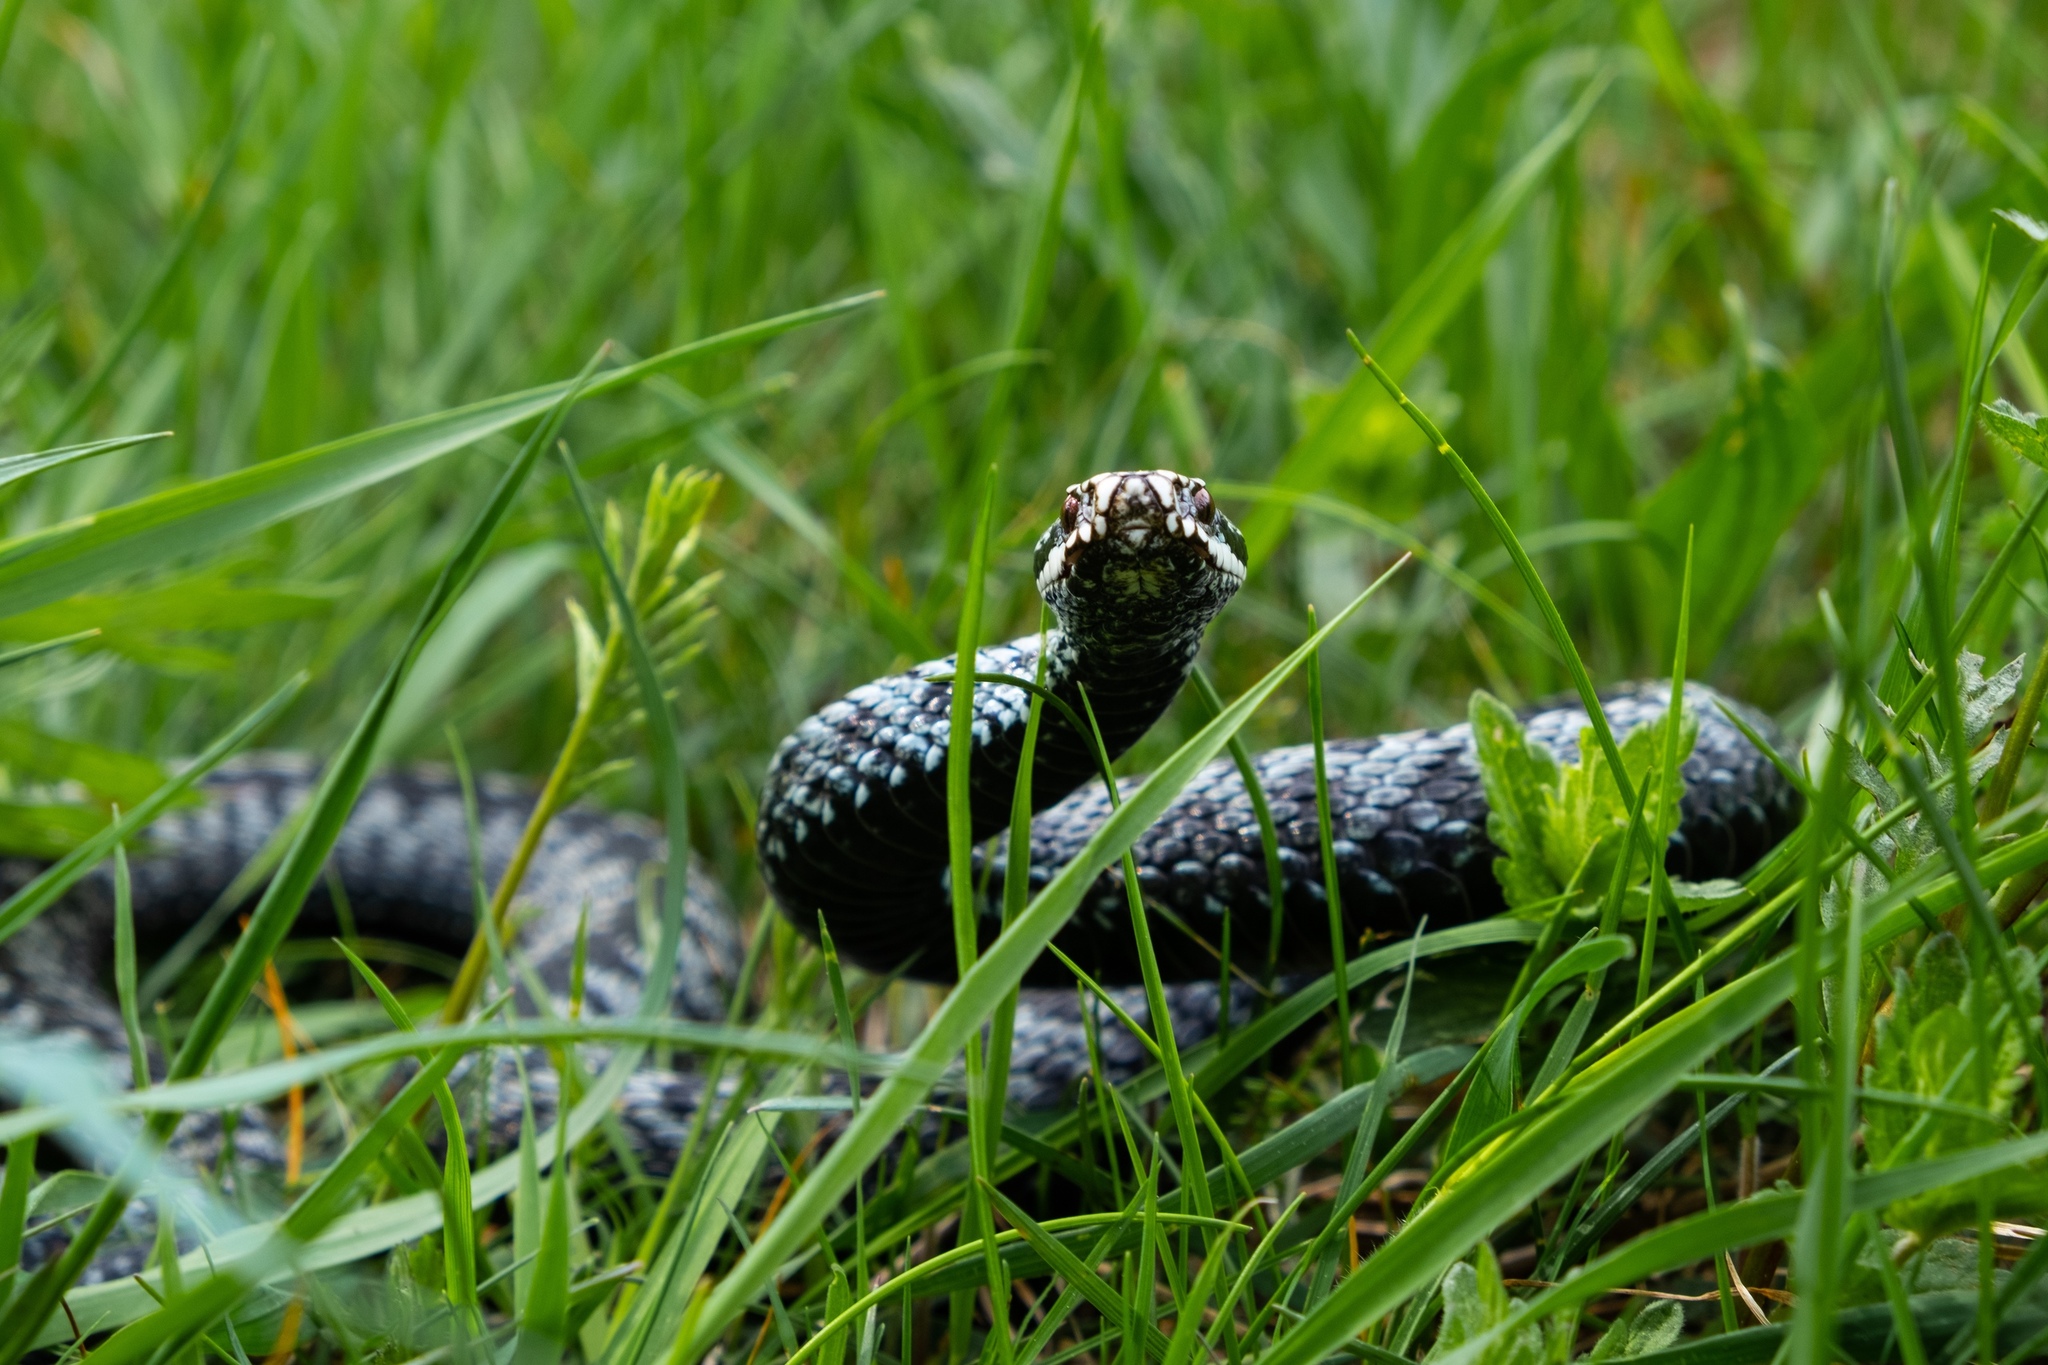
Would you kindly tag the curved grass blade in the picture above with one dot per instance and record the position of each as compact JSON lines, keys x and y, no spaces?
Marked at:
{"x":1381,"y":529}
{"x":260,"y":1084}
{"x":1588,"y":695}
{"x":42,"y":647}
{"x":14,"y":467}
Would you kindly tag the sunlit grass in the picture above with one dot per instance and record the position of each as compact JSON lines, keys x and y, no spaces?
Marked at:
{"x":1686,"y":326}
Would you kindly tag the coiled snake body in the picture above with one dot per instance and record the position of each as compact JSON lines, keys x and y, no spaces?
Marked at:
{"x":853,"y":825}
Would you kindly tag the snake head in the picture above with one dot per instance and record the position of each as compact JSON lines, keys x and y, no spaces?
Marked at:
{"x":1144,"y":534}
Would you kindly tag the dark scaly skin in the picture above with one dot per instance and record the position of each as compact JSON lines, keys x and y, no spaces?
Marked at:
{"x":853,"y":816}
{"x":1409,"y":832}
{"x":403,"y":861}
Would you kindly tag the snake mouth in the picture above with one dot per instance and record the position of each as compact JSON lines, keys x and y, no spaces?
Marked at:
{"x":1136,"y":514}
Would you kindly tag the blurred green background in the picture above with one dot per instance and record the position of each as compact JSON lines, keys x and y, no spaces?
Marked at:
{"x":1627,"y":254}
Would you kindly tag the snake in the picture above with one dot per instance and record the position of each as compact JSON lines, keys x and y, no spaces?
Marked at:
{"x":852,"y":833}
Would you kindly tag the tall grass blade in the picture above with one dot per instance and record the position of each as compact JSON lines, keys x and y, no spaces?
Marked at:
{"x":14,"y":467}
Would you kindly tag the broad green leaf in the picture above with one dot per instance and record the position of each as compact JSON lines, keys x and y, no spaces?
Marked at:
{"x":1926,"y":1045}
{"x":1560,"y":826}
{"x":1585,"y":818}
{"x":1516,"y":775}
{"x":1475,"y":1303}
{"x":2019,"y":430}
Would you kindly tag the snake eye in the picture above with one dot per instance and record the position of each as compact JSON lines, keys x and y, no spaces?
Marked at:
{"x":1071,"y":512}
{"x":1205,"y":506}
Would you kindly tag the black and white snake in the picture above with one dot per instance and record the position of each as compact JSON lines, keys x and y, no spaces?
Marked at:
{"x":853,"y":825}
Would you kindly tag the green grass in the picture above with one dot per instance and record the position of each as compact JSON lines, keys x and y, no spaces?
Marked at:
{"x":1655,"y":293}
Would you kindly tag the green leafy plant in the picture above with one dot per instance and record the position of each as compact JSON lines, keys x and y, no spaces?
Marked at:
{"x":1560,"y":826}
{"x":1475,"y":1302}
{"x":1927,"y":1046}
{"x":1477,"y":1308}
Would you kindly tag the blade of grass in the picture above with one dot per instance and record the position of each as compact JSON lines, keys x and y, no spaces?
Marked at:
{"x":1036,"y":254}
{"x":1382,"y":529}
{"x":15,"y":1181}
{"x":1180,"y":1096}
{"x":544,"y":1326}
{"x":260,"y":1084}
{"x":13,"y":467}
{"x":1588,"y":695}
{"x":979,"y":1223}
{"x":1508,"y":1174}
{"x":1269,"y":835}
{"x":1333,"y":901}
{"x":1385,"y":1086}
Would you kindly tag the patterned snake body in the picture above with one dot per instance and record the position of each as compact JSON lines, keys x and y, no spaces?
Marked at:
{"x":853,"y":816}
{"x":853,"y":825}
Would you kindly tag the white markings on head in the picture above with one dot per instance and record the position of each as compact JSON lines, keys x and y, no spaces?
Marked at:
{"x":1133,"y":508}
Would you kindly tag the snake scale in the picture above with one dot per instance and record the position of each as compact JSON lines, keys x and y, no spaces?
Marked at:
{"x":853,"y":826}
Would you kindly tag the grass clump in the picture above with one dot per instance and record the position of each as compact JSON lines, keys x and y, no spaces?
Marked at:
{"x":1697,"y":331}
